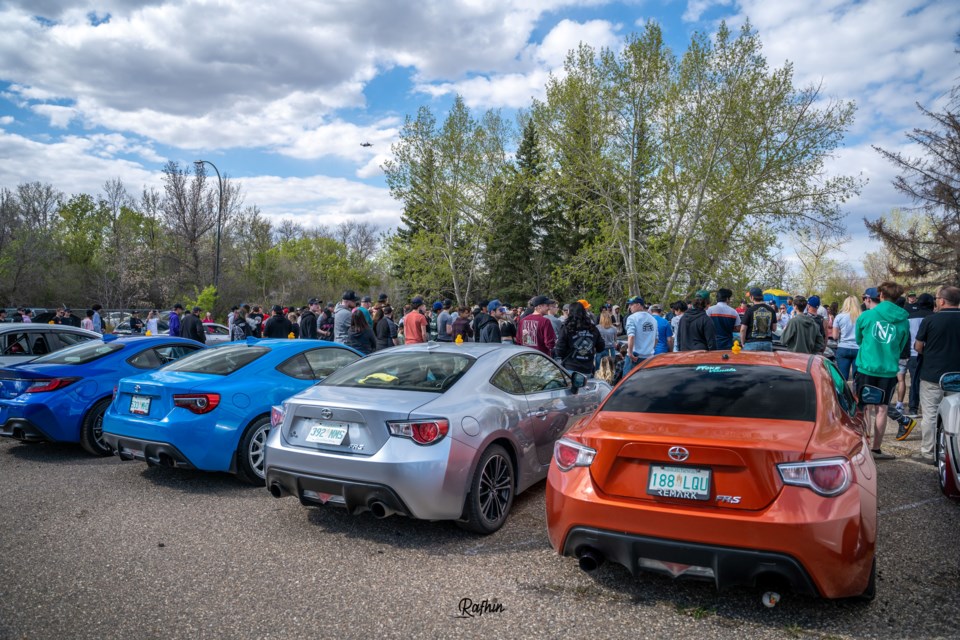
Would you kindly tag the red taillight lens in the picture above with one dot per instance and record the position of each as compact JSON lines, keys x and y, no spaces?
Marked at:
{"x":421,"y":431}
{"x":276,"y":416}
{"x":197,"y":402}
{"x":570,"y":454}
{"x":826,"y":477}
{"x":41,"y":386}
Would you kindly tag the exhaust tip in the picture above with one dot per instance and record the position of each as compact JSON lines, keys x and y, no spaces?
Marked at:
{"x":276,"y":490}
{"x":380,"y":510}
{"x":590,"y":559}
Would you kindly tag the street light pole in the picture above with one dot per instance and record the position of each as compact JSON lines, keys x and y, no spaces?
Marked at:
{"x":216,"y":266}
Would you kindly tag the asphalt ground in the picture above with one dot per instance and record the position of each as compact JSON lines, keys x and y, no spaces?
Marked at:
{"x":99,"y":548}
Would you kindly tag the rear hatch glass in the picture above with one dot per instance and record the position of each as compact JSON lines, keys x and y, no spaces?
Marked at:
{"x":419,"y":371}
{"x":220,"y":361}
{"x":80,"y":353}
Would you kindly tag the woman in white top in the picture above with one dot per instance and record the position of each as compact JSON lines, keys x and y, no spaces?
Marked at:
{"x":153,"y":321}
{"x":844,"y":326}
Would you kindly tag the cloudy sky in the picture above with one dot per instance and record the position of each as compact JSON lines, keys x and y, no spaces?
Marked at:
{"x":280,"y":94}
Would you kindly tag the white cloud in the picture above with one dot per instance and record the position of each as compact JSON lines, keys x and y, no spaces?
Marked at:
{"x":696,"y":8}
{"x":59,"y":116}
{"x":6,"y":120}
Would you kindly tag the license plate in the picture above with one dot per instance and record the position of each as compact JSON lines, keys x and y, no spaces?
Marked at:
{"x":679,"y":482}
{"x":140,"y":405}
{"x":328,"y":432}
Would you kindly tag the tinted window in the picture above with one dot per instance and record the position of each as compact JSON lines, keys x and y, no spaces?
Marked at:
{"x":538,"y":373}
{"x":159,"y":356}
{"x":506,"y":380}
{"x":419,"y":371}
{"x":72,"y":338}
{"x":221,"y":361}
{"x":80,"y":353}
{"x":842,"y":389}
{"x":724,"y":390}
{"x":325,"y":361}
{"x":297,"y":367}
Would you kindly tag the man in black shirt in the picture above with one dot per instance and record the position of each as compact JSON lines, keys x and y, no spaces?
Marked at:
{"x":756,"y":332}
{"x":938,"y":340}
{"x":308,"y":321}
{"x":191,"y":327}
{"x":278,"y":326}
{"x":136,"y":324}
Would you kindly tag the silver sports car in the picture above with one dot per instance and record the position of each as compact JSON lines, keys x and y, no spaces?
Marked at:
{"x":947,"y":443}
{"x":430,"y":431}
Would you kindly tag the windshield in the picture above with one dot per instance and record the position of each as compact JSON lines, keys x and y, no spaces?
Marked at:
{"x":421,"y":371}
{"x":220,"y":361}
{"x":727,"y":390}
{"x":80,"y":353}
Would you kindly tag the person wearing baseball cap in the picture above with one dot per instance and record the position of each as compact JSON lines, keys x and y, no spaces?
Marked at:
{"x":535,"y":330}
{"x":365,"y":305}
{"x":444,"y":320}
{"x":696,"y":331}
{"x":278,"y":325}
{"x":192,"y":328}
{"x":641,"y":333}
{"x":759,"y":324}
{"x":486,"y":325}
{"x":309,"y":319}
{"x":341,"y":315}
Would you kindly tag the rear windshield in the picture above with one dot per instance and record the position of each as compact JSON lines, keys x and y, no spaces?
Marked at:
{"x":421,"y":371}
{"x":220,"y":361}
{"x":80,"y":353}
{"x":733,"y":391}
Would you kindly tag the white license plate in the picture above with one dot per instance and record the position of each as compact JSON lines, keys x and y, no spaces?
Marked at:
{"x":328,"y":432}
{"x":679,"y":482}
{"x":140,"y":405}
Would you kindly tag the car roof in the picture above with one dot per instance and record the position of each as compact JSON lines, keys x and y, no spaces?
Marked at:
{"x":287,"y":344}
{"x":784,"y":359}
{"x":473,"y":349}
{"x":42,"y":326}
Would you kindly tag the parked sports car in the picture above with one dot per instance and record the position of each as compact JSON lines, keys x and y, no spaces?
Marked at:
{"x":62,"y":396}
{"x":948,"y":436}
{"x":431,"y":431}
{"x":211,"y":411}
{"x":24,"y":341}
{"x":216,"y":333}
{"x":742,"y":469}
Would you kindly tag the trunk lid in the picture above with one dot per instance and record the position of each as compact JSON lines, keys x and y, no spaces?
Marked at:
{"x":14,"y":380}
{"x":150,"y":396}
{"x":739,"y":454}
{"x":348,"y":419}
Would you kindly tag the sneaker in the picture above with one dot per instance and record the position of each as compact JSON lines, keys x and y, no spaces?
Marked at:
{"x":919,"y":457}
{"x":900,"y":407}
{"x":880,"y":455}
{"x":904,"y":429}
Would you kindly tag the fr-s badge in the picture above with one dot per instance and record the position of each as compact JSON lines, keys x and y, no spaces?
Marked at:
{"x":729,"y":499}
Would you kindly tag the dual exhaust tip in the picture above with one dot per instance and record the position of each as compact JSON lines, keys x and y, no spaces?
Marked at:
{"x":378,"y":508}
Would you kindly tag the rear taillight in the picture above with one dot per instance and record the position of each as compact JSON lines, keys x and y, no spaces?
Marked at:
{"x":421,"y":431}
{"x":41,"y":386}
{"x":826,"y":477}
{"x":276,"y":416}
{"x":197,"y":402}
{"x":570,"y":454}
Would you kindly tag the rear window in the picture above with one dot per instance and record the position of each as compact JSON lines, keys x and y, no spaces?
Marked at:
{"x":726,"y":390}
{"x":421,"y":371}
{"x":80,"y":353}
{"x":221,"y":361}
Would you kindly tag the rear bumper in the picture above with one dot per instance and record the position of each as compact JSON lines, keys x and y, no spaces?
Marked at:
{"x":730,"y":566}
{"x":22,"y":429}
{"x":823,"y":546}
{"x":354,"y":495}
{"x":153,"y":453}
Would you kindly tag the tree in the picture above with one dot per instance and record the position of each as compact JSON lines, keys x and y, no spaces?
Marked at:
{"x":815,"y":245}
{"x":928,"y":249}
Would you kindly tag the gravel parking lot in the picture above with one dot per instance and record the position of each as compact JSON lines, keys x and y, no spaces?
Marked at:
{"x":99,"y":548}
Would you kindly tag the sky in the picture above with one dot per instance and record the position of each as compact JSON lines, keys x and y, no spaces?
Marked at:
{"x":280,"y":95}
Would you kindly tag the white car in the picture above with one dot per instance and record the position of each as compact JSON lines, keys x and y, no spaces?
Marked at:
{"x":947,"y":454}
{"x":24,"y":341}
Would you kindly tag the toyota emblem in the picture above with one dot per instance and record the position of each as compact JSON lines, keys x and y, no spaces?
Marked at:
{"x":326,"y":414}
{"x":136,"y":388}
{"x":678,"y":453}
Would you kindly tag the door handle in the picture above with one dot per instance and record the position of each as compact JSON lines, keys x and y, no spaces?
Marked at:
{"x":539,"y":413}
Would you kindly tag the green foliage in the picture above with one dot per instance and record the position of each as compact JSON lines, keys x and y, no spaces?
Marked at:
{"x":205,"y":299}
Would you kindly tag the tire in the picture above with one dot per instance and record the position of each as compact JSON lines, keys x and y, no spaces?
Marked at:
{"x":491,"y":492}
{"x":945,"y":464}
{"x":252,"y":450}
{"x":871,"y":591}
{"x":91,"y":430}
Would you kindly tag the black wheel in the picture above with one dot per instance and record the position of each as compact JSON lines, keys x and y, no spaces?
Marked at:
{"x":943,"y":458}
{"x":91,"y":431}
{"x":491,"y":492}
{"x":252,"y":451}
{"x":871,"y":591}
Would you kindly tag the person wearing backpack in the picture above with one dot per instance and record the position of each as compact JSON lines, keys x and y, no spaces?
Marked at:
{"x":579,"y":341}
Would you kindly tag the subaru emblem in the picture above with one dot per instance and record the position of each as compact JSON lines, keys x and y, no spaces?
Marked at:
{"x":678,"y":453}
{"x":326,"y":414}
{"x":136,"y":388}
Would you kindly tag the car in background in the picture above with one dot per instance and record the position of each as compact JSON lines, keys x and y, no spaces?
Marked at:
{"x":24,"y":341}
{"x":947,"y":451}
{"x":216,"y":333}
{"x":211,"y":410}
{"x":123,"y":328}
{"x":742,"y":469}
{"x":430,"y":431}
{"x":62,"y":396}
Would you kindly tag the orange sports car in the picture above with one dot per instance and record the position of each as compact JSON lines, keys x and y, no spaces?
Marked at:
{"x":741,"y":468}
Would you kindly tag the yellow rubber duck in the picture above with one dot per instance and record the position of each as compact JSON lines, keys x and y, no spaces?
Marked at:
{"x":736,"y":347}
{"x":148,"y":333}
{"x":459,"y":339}
{"x":291,"y":336}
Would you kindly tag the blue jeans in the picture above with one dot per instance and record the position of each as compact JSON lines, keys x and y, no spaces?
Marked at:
{"x":629,"y":364}
{"x":758,"y":346}
{"x":847,"y":359}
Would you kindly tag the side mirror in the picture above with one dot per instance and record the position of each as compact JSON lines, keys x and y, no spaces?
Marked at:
{"x":872,"y":395}
{"x":950,"y":382}
{"x":579,"y":381}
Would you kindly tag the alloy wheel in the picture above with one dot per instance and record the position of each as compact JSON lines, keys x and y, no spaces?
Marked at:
{"x":258,"y":446}
{"x":942,"y":457}
{"x":496,"y":487}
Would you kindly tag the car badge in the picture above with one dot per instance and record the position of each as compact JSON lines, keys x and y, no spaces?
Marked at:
{"x":136,"y":388}
{"x":678,"y":453}
{"x":326,"y":414}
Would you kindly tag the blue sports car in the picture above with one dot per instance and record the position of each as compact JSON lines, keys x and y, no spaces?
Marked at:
{"x":211,"y":411}
{"x":62,"y":396}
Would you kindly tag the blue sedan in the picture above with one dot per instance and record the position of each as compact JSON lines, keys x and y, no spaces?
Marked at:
{"x":211,"y":411}
{"x":62,"y":396}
